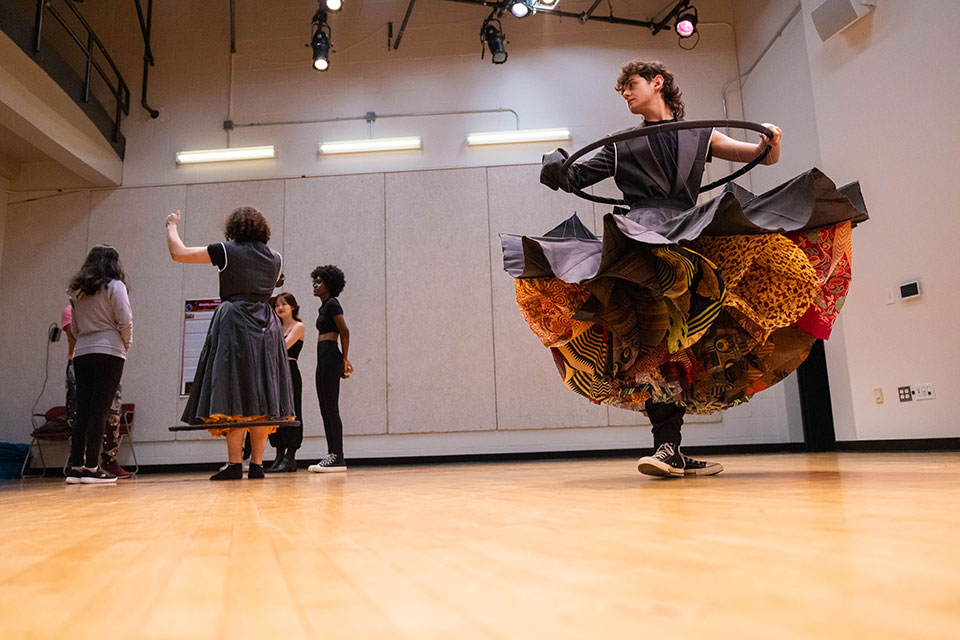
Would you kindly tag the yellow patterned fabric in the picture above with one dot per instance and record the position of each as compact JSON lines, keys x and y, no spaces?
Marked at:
{"x":769,"y":279}
{"x":548,"y":305}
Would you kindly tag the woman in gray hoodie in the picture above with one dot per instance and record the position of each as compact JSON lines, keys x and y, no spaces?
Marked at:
{"x":103,"y":325}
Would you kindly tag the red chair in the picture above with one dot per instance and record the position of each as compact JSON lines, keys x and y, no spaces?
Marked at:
{"x":51,"y":426}
{"x":126,"y":430}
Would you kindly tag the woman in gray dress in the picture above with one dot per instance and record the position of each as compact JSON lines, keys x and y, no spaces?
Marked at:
{"x":242,"y":374}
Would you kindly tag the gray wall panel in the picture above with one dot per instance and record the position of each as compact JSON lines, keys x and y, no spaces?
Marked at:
{"x":44,"y":245}
{"x":340,"y":220}
{"x":439,"y":335}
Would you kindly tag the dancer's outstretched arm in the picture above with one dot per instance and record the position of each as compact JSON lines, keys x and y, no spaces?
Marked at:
{"x":726,"y":148}
{"x":178,"y":251}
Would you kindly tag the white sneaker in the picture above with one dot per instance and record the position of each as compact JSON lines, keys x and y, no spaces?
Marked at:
{"x":332,"y":463}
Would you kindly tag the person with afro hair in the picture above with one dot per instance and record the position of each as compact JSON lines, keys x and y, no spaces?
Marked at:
{"x":328,"y":282}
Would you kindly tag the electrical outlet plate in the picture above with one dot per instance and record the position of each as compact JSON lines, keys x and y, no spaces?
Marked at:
{"x":905,"y":394}
{"x":923,"y":391}
{"x":878,"y":395}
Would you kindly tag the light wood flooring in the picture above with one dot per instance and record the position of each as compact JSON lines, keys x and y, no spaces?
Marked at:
{"x":846,"y":546}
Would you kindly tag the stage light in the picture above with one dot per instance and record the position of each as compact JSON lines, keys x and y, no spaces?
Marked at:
{"x":496,"y":42}
{"x":519,"y":135}
{"x":334,"y":5}
{"x":321,"y":48}
{"x":411,"y":143}
{"x":225,"y":155}
{"x":519,"y":9}
{"x":686,"y":24}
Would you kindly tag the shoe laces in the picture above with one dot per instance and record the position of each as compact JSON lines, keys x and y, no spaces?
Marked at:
{"x":664,"y":452}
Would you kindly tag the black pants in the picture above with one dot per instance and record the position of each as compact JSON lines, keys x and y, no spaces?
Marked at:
{"x":666,"y":419}
{"x":98,"y":376}
{"x":290,"y":438}
{"x":329,"y":372}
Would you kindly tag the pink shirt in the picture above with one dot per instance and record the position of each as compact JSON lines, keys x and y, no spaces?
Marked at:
{"x":65,"y":319}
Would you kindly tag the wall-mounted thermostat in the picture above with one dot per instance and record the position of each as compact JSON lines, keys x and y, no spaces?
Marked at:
{"x":910,"y":290}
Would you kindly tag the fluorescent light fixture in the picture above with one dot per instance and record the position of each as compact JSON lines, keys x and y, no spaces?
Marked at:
{"x":224,"y":155}
{"x":371,"y":144}
{"x":520,"y":135}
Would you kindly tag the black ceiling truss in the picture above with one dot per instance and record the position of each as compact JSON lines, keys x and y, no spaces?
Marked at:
{"x":587,"y":16}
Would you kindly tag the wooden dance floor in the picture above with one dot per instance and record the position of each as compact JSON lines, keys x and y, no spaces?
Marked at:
{"x":813,"y":546}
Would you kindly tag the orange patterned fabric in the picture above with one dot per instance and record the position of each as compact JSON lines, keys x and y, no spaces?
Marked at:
{"x":548,"y":305}
{"x":220,"y":418}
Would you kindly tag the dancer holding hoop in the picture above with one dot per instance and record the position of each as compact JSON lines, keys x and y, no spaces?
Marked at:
{"x":683,"y":308}
{"x":242,"y":374}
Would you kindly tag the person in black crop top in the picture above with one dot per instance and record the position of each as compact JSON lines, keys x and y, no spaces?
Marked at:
{"x":242,"y":373}
{"x":287,"y":440}
{"x":332,"y":365}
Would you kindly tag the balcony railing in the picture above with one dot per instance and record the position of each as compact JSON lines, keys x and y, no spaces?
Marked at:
{"x":61,"y":41}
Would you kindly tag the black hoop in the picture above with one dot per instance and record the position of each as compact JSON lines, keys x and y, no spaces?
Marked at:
{"x":663,"y":128}
{"x":235,"y":425}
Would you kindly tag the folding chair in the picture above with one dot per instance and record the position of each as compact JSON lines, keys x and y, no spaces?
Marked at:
{"x":45,"y":429}
{"x":126,"y":430}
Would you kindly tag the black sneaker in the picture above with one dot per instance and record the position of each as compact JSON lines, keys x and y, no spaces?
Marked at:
{"x":665,"y":462}
{"x":73,"y":476}
{"x":97,"y":476}
{"x":693,"y":467}
{"x":331,"y":464}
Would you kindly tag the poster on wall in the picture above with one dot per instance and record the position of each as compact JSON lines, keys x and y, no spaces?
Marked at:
{"x":197,"y":315}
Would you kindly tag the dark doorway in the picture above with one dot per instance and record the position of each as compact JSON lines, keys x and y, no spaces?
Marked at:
{"x":816,"y":410}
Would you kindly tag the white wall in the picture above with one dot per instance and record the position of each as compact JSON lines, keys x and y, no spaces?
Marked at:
{"x":884,"y":92}
{"x":415,"y":233}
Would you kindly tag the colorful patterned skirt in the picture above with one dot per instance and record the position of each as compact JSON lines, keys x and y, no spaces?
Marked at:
{"x":688,"y":313}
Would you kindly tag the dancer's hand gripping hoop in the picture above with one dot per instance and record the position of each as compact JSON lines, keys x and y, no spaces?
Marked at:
{"x":663,"y":128}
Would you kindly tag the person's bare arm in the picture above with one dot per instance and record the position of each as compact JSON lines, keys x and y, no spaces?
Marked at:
{"x":178,"y":251}
{"x":295,"y":334}
{"x":726,"y":148}
{"x":344,"y":343}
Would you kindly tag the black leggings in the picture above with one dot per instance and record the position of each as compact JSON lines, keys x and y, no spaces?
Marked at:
{"x":329,"y":372}
{"x":98,"y":376}
{"x":666,"y":419}
{"x":290,"y":438}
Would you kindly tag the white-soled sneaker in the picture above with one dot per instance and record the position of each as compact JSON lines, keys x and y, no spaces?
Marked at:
{"x":73,"y":476}
{"x":693,"y":467}
{"x":330,"y":464}
{"x":97,"y":476}
{"x":666,"y":462}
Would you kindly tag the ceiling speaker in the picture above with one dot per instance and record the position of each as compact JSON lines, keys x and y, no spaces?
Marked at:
{"x":833,"y":16}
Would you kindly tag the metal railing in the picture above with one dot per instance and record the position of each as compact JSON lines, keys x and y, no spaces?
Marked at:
{"x":91,"y":48}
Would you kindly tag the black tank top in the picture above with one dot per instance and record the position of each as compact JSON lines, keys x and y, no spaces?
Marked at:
{"x":293,"y":351}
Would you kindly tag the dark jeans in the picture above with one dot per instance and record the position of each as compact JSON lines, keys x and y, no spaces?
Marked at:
{"x":98,"y":376}
{"x":290,"y":438}
{"x":329,"y":372}
{"x":666,"y":419}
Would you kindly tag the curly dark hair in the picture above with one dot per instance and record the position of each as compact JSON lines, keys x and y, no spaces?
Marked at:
{"x":247,"y":224}
{"x":648,"y":70}
{"x":291,"y":300}
{"x":101,"y":266}
{"x":331,"y":276}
